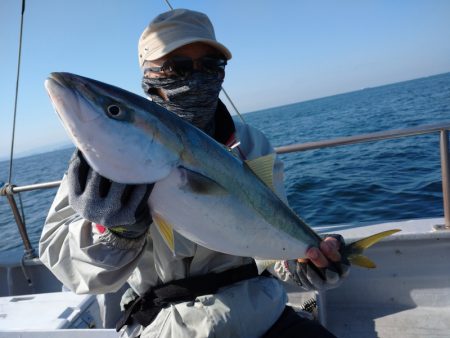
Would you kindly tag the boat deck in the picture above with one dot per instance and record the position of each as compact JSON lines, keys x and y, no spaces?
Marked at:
{"x":406,"y":296}
{"x":389,"y":322}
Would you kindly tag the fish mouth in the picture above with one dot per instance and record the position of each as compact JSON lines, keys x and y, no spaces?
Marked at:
{"x":68,"y":102}
{"x":58,"y":78}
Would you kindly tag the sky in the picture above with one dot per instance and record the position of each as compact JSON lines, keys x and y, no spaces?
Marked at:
{"x":284,"y":51}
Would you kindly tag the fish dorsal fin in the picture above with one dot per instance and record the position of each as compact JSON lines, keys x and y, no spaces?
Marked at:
{"x":166,"y":231}
{"x":263,"y":264}
{"x":263,"y":168}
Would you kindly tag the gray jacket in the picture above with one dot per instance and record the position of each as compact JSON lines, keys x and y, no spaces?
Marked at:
{"x":87,"y":261}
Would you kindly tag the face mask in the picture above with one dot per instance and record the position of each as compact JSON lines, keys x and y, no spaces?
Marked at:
{"x":193,"y":98}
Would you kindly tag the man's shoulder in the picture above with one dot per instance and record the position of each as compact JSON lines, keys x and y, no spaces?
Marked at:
{"x":245,"y":129}
{"x":253,"y":142}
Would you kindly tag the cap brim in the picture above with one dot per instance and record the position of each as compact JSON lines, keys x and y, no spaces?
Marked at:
{"x":154,"y":55}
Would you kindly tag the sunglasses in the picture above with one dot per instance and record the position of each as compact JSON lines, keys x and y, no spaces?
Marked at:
{"x":181,"y":66}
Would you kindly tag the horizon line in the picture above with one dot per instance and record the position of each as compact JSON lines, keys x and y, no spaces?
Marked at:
{"x":63,"y":145}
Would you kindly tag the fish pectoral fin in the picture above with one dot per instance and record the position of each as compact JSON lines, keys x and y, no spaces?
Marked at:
{"x":361,"y":260}
{"x":201,"y":184}
{"x":263,"y":168}
{"x":166,"y":230}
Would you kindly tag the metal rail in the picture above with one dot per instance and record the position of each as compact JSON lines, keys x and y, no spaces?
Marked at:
{"x":445,"y":168}
{"x":442,"y":128}
{"x":9,"y":190}
{"x":383,"y":135}
{"x":37,"y":186}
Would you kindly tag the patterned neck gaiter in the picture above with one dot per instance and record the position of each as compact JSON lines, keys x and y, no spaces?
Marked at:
{"x":193,"y":98}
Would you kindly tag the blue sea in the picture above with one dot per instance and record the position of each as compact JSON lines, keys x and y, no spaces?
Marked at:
{"x":365,"y":183}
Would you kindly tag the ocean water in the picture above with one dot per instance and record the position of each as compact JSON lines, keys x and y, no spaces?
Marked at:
{"x":365,"y":183}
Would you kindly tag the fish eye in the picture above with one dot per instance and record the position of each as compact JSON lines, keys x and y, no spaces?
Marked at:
{"x":114,"y":110}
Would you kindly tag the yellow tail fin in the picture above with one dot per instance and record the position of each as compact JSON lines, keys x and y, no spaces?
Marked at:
{"x":354,"y":250}
{"x":361,"y":260}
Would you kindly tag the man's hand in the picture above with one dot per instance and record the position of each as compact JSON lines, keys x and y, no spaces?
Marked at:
{"x":328,"y":252}
{"x":122,"y":208}
{"x":324,"y":267}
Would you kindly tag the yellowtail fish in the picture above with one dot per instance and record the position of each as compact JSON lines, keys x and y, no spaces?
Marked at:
{"x":202,"y":190}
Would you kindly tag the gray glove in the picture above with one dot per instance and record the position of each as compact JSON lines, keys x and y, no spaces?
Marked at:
{"x":311,"y":277}
{"x":122,"y":208}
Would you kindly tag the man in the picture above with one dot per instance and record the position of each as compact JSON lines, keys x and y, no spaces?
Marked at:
{"x":98,"y":234}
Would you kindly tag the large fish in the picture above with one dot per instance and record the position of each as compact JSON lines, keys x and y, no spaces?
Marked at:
{"x":202,"y":191}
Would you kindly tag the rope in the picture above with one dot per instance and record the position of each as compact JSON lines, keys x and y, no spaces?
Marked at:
{"x":168,"y":4}
{"x":22,"y":211}
{"x":223,"y":89}
{"x":232,"y":104}
{"x":7,"y":188}
{"x":17,"y":94}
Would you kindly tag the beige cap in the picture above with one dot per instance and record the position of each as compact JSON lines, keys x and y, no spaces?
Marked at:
{"x":174,"y":29}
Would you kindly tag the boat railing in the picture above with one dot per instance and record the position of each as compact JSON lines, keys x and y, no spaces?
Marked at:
{"x":441,"y":128}
{"x":9,"y":190}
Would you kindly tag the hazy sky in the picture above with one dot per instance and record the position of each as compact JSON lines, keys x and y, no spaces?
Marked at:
{"x":283,"y":51}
